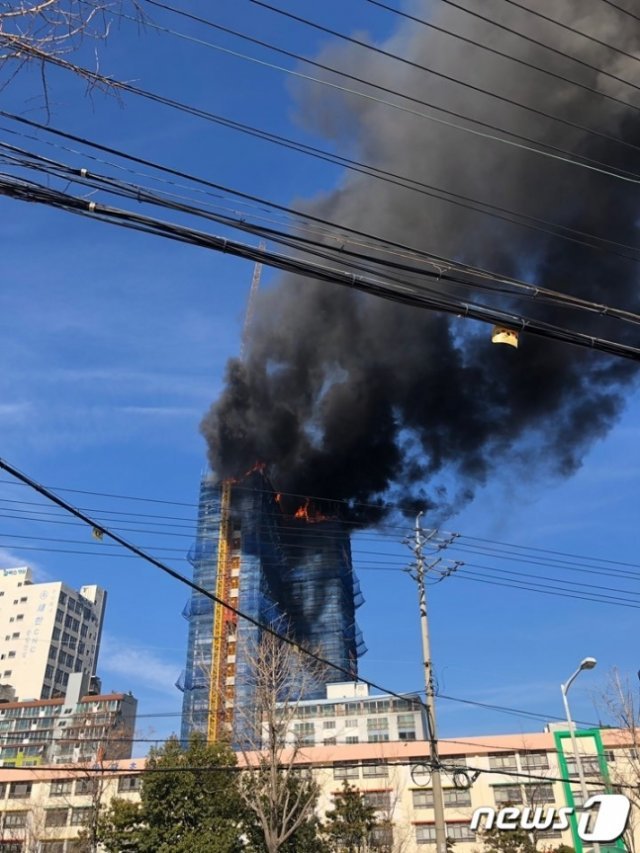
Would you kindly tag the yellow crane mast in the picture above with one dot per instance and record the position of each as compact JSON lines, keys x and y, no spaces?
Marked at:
{"x":223,"y":623}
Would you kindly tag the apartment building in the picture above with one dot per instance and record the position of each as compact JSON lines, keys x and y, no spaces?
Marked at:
{"x":45,"y":810}
{"x":80,"y":727}
{"x":48,"y":631}
{"x":349,"y":715}
{"x":393,"y":776}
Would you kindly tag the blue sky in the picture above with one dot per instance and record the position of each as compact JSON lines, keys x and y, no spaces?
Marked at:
{"x":114,"y":345}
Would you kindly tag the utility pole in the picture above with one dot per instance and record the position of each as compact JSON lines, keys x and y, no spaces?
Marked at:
{"x":418,"y":574}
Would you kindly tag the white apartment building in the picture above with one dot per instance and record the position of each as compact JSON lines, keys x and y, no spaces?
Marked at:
{"x":47,"y":632}
{"x":350,"y":715}
{"x":49,"y":805}
{"x":80,"y":727}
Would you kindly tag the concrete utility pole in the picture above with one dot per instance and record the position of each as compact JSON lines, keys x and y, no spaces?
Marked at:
{"x":418,"y":574}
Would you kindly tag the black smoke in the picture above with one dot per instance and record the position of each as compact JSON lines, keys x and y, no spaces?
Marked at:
{"x":355,"y":398}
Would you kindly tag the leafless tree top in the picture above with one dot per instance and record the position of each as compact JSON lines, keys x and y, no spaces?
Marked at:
{"x":52,"y":30}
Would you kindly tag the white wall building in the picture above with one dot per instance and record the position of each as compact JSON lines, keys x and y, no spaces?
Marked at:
{"x":47,"y":632}
{"x":350,"y":715}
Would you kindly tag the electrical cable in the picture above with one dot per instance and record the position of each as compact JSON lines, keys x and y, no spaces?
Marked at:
{"x":562,"y":53}
{"x":405,"y":294}
{"x":621,"y":9}
{"x":385,"y":530}
{"x":512,"y":217}
{"x":134,"y":549}
{"x":141,"y":194}
{"x":379,"y":51}
{"x":119,"y":85}
{"x":501,"y":53}
{"x":576,"y":32}
{"x":430,"y":258}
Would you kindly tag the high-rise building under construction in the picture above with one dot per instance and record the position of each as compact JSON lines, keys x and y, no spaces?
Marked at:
{"x":291,"y":571}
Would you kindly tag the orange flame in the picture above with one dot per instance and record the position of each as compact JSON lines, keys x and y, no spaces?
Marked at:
{"x":310,"y":513}
{"x":257,"y":466}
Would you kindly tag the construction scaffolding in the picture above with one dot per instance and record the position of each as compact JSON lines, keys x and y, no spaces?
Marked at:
{"x":286,"y":571}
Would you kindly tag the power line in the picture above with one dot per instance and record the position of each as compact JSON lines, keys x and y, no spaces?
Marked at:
{"x":545,"y":46}
{"x":503,"y":54}
{"x":140,"y":194}
{"x":359,"y":553}
{"x":404,"y":293}
{"x":384,"y":175}
{"x":134,"y":549}
{"x":576,"y":32}
{"x":388,"y":530}
{"x":362,"y":168}
{"x":549,"y":555}
{"x":381,"y":52}
{"x":621,"y":9}
{"x":575,"y":160}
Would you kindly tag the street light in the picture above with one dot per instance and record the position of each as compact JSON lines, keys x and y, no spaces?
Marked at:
{"x":587,"y":663}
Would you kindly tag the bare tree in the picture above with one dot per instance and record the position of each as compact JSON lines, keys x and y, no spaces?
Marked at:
{"x":280,"y":796}
{"x":619,"y":703}
{"x":392,"y":835}
{"x":43,"y":31}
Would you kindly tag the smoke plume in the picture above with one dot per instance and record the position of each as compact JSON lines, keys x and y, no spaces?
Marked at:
{"x":352,"y":397}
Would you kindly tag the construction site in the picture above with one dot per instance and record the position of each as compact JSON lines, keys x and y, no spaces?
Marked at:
{"x":290,"y":570}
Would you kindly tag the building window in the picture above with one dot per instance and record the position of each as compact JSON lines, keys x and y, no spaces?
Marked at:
{"x":507,"y":794}
{"x":425,"y":834}
{"x":129,"y":783}
{"x":460,"y":832}
{"x":406,"y":735}
{"x":305,"y":733}
{"x":377,"y":729}
{"x":375,"y":769}
{"x":328,"y":724}
{"x":382,"y":837}
{"x":19,"y":790}
{"x":60,"y":788}
{"x":503,"y":762}
{"x":351,"y":724}
{"x":346,"y":771}
{"x":456,"y":797}
{"x":19,"y":617}
{"x":590,"y":765}
{"x":84,"y":786}
{"x":380,"y":800}
{"x":329,"y":741}
{"x":422,"y":799}
{"x":352,"y":739}
{"x":52,"y":846}
{"x":81,"y":816}
{"x":15,"y":820}
{"x":539,"y":793}
{"x":56,"y":817}
{"x":534,"y":761}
